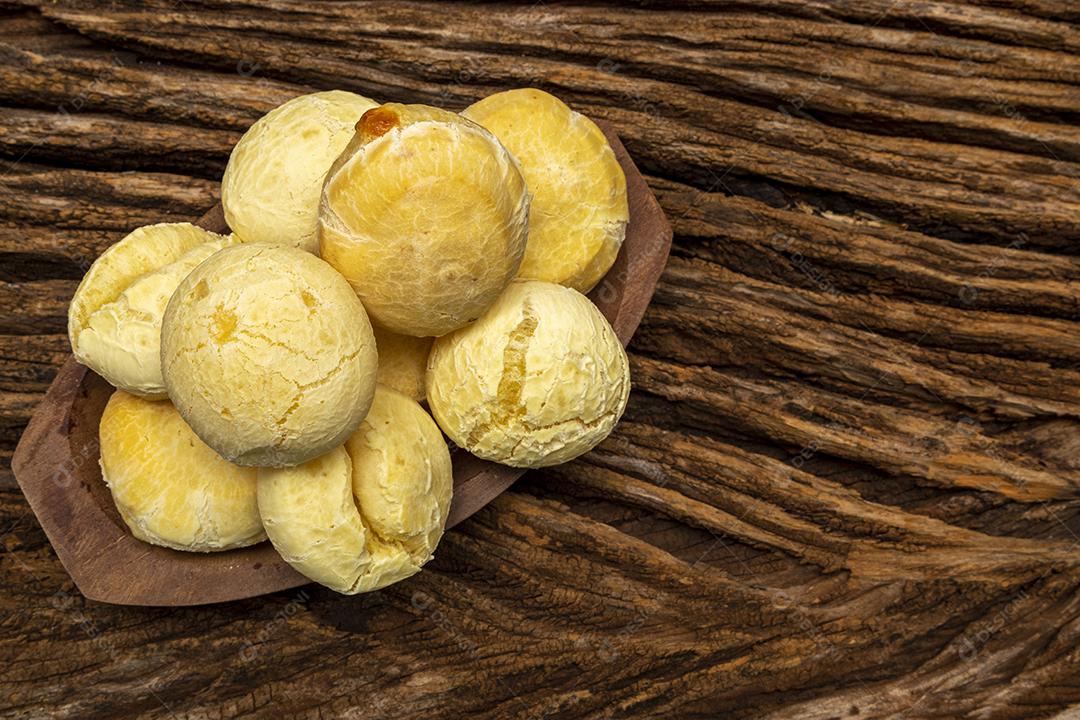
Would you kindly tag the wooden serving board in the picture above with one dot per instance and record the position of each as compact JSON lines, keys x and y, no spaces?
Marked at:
{"x":56,"y":461}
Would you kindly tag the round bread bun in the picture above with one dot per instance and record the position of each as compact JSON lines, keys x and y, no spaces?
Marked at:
{"x":538,"y":380}
{"x":402,"y":361}
{"x":271,"y":187}
{"x":114,"y":320}
{"x":368,"y":513}
{"x":426,"y":215}
{"x":170,"y":488}
{"x":579,"y":211}
{"x":268,"y":354}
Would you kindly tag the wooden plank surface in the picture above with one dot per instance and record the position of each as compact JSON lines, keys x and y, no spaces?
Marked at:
{"x":846,"y":484}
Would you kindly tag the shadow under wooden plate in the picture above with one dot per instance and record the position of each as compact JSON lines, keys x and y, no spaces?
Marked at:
{"x":56,"y":462}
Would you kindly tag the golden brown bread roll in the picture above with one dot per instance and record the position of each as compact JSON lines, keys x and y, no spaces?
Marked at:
{"x":271,"y":187}
{"x":114,"y":320}
{"x":268,"y":354}
{"x":170,"y":488}
{"x":540,"y":379}
{"x":368,"y":513}
{"x":402,"y":361}
{"x":426,"y":215}
{"x":579,"y":211}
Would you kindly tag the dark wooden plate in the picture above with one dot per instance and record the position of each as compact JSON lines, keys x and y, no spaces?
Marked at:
{"x":56,"y":462}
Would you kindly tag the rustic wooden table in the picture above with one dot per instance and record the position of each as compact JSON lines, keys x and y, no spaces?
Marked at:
{"x":846,"y":484}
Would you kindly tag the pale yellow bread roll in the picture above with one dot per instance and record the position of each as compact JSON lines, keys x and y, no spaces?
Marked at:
{"x":579,"y":211}
{"x":114,"y":320}
{"x":268,"y":354}
{"x":170,"y":488}
{"x":538,"y":380}
{"x":426,"y":215}
{"x":368,"y":513}
{"x":402,"y":361}
{"x":271,"y":187}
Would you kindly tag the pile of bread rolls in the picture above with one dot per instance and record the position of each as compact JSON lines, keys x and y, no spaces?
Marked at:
{"x":269,"y":383}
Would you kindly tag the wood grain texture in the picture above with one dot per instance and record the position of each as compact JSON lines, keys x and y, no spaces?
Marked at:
{"x":847,"y":481}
